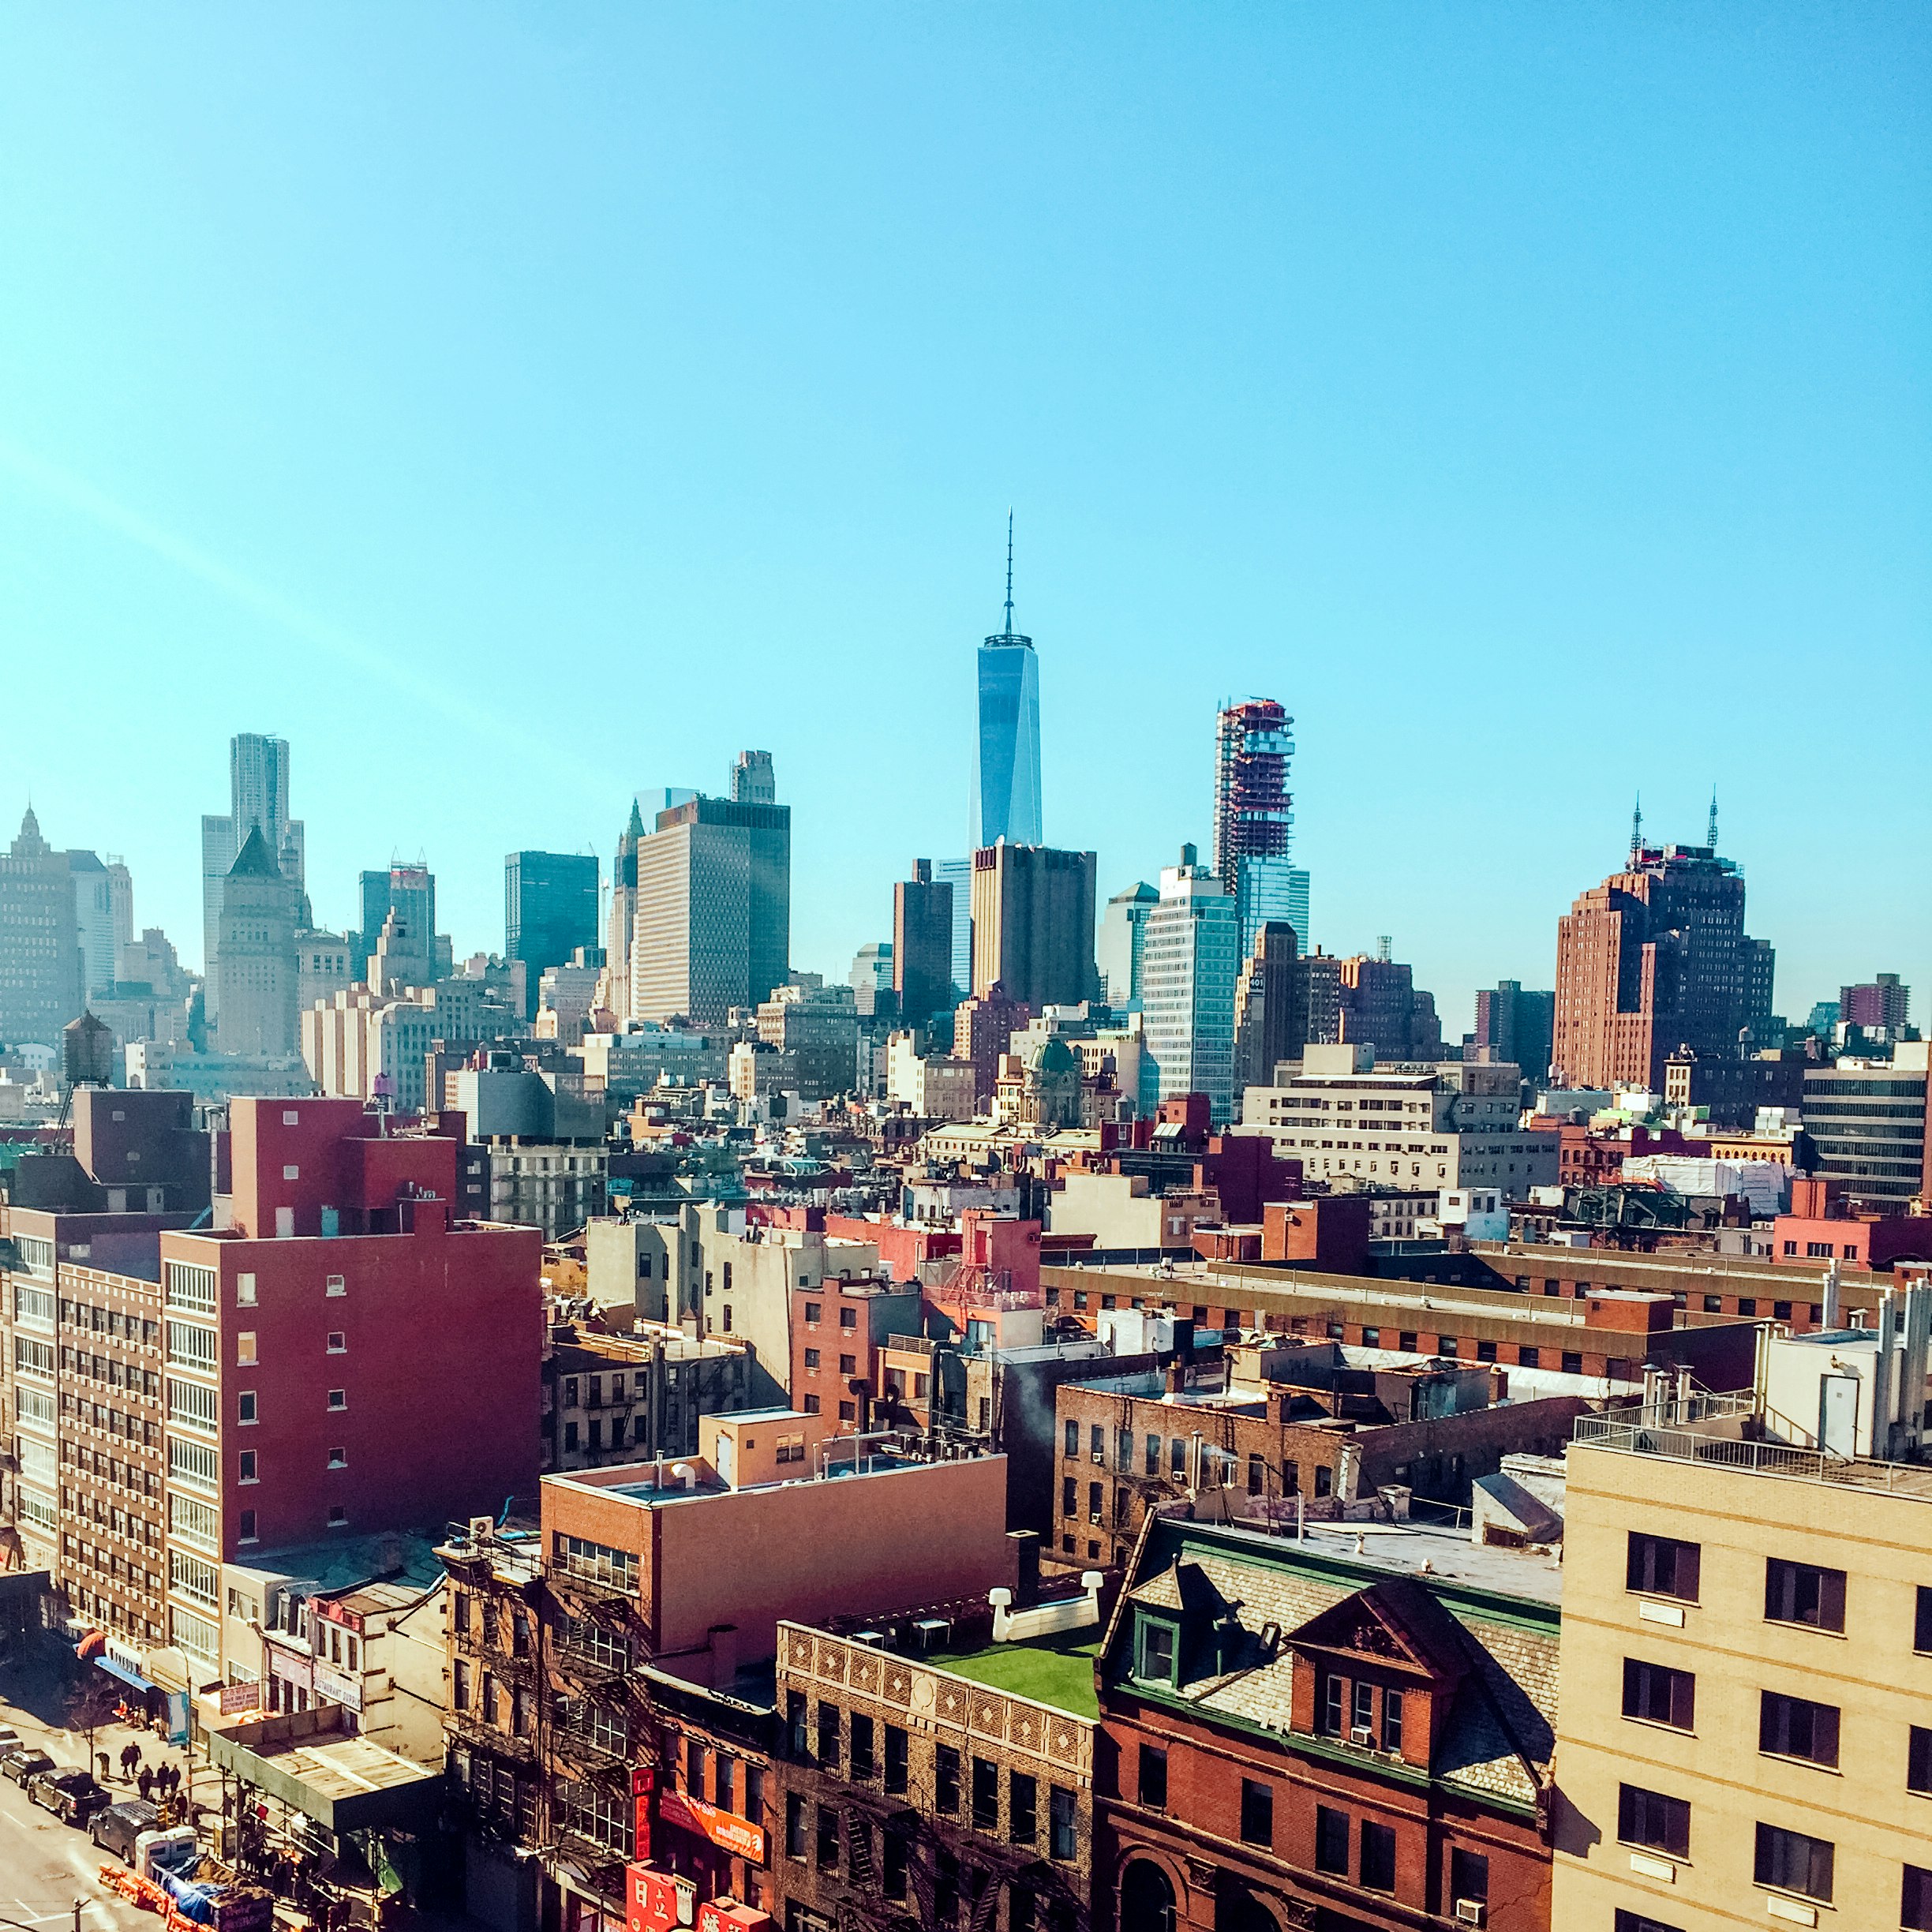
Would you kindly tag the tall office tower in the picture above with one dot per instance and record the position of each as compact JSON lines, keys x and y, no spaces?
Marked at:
{"x":1757,"y":984}
{"x":1653,"y":959}
{"x":714,"y":926}
{"x":1123,"y":933}
{"x":958,"y":873}
{"x":1254,"y":821}
{"x":922,"y":945}
{"x":1189,"y":966}
{"x":1265,"y":1007}
{"x":409,"y":891}
{"x":752,"y":780}
{"x":1880,"y":1001}
{"x":258,"y":799}
{"x":1381,"y":1005}
{"x":1006,"y":760}
{"x":255,"y":953}
{"x":93,"y":919}
{"x":1033,"y":924}
{"x":550,"y":909}
{"x":40,"y":988}
{"x":621,"y":916}
{"x":1515,"y":1027}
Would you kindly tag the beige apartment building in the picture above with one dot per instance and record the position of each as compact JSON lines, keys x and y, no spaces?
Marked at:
{"x":1746,"y":1731}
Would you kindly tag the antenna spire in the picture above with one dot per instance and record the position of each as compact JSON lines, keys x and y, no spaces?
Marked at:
{"x":1010,"y":629}
{"x":1710,"y":837}
{"x":1637,"y":829}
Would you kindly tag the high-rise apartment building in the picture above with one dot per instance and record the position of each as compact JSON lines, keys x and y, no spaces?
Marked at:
{"x":983,"y":1029}
{"x":714,"y":925}
{"x":1254,"y":818}
{"x":258,"y":799}
{"x":1381,"y":1004}
{"x":1006,"y":759}
{"x":40,"y":960}
{"x":1123,"y":935}
{"x":1514,"y":1025}
{"x":256,"y":951}
{"x":409,"y":891}
{"x":1033,"y":923}
{"x":1653,"y":960}
{"x":1881,"y":1002}
{"x":1189,"y":966}
{"x":922,"y":945}
{"x":550,"y":909}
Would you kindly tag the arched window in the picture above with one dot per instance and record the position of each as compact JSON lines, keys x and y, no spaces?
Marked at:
{"x":1147,"y":1898}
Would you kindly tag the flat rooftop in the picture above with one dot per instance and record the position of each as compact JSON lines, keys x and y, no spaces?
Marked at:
{"x":1427,"y":1550}
{"x":1060,"y":1674}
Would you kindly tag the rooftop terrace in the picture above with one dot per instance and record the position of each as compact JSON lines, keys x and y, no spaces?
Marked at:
{"x":1059,"y":1672}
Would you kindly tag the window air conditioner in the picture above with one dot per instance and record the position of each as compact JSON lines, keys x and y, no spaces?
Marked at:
{"x":1471,"y":1911}
{"x":1361,"y":1733}
{"x":481,"y":1527}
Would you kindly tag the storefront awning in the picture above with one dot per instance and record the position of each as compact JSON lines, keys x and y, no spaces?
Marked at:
{"x":126,"y":1672}
{"x":345,"y":1783}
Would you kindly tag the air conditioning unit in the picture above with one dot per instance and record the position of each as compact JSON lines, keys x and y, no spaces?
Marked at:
{"x":480,"y":1528}
{"x":1099,"y":1457}
{"x":1471,"y":1911}
{"x":1362,"y":1734}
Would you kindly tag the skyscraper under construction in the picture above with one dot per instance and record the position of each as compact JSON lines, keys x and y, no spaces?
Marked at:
{"x":1254,"y":823}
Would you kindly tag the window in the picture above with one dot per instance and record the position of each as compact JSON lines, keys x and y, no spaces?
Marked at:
{"x":1789,"y":1726}
{"x":1332,"y":1840}
{"x":795,"y":1826}
{"x":1257,"y":1475}
{"x":863,"y":1764}
{"x":1649,"y":1818}
{"x":796,"y":1721}
{"x":848,"y":1365}
{"x":1655,"y":1694}
{"x":985,"y":1795}
{"x":1915,"y":1899}
{"x":1329,"y":1693}
{"x":813,"y":1310}
{"x":244,"y":1348}
{"x":811,"y":1358}
{"x":245,"y":1407}
{"x":338,"y":1516}
{"x":827,"y":1847}
{"x":1060,"y":1813}
{"x":247,"y":1471}
{"x":1392,"y":1720}
{"x":828,"y":1715}
{"x":1257,"y":1813}
{"x":1070,"y":1497}
{"x":1362,"y":1714}
{"x":339,"y":1398}
{"x":1157,"y":1651}
{"x":1151,"y":1460}
{"x":1378,"y":1857}
{"x":338,"y":1342}
{"x":247,"y":1526}
{"x":1918,"y":1761}
{"x":1468,"y":1875}
{"x":1098,"y":1442}
{"x":244,"y":1291}
{"x":1803,"y":1593}
{"x":1152,"y":1786}
{"x":1527,"y":1357}
{"x":1073,"y":1439}
{"x":1573,"y":1361}
{"x":896,"y":1761}
{"x":1922,"y":1622}
{"x":1787,"y":1861}
{"x":811,"y":1405}
{"x":1022,"y":1808}
{"x":1022,"y":1909}
{"x":339,"y":1458}
{"x":946,"y":1780}
{"x":1662,"y":1566}
{"x":895,"y":1866}
{"x":335,"y":1286}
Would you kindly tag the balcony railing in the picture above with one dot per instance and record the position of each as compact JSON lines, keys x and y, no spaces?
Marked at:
{"x":1718,"y":1441}
{"x":474,"y":1730}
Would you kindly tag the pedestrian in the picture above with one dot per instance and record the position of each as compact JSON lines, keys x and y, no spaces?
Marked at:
{"x":145,"y":1782}
{"x":174,"y":1779}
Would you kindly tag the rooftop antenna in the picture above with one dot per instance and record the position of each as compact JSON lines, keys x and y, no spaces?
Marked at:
{"x":1637,"y":829}
{"x":1710,"y":837}
{"x":1010,"y":629}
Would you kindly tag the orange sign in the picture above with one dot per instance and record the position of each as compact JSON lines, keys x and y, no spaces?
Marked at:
{"x":725,"y":1830}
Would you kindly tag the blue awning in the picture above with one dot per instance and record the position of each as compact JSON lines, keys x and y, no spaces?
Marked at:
{"x":128,"y":1675}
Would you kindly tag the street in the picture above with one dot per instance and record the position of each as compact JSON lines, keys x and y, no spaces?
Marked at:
{"x":45,"y":1866}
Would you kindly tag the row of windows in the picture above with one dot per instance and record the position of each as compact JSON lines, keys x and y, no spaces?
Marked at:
{"x":1809,"y":1594}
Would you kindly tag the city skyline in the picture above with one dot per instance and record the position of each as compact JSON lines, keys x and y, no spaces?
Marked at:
{"x":1427,"y":437}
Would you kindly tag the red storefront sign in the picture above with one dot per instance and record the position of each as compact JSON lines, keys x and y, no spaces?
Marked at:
{"x":729,"y":1915}
{"x":725,"y":1830}
{"x":651,"y":1902}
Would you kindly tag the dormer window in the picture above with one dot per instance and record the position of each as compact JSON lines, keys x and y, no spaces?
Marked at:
{"x":1155,"y":1646}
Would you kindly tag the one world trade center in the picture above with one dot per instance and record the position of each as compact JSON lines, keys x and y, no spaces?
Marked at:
{"x":1006,"y":764}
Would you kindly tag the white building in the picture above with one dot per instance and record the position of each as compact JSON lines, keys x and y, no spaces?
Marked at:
{"x":1190,"y":961}
{"x":1457,"y":1124}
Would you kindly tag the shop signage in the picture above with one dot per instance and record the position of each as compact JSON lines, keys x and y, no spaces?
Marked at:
{"x":342,"y":1687}
{"x":656,"y":1901}
{"x":240,"y":1697}
{"x":725,"y":1830}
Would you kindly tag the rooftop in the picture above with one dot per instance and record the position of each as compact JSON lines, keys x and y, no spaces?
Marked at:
{"x":1057,"y":1672}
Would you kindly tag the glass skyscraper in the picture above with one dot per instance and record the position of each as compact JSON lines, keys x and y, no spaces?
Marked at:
{"x":1254,"y":819}
{"x":1006,"y":764}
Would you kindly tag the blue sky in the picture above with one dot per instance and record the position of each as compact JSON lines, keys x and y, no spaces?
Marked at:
{"x":516,"y":406}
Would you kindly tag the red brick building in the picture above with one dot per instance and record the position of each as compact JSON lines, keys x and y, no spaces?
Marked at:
{"x":1298,"y":1739}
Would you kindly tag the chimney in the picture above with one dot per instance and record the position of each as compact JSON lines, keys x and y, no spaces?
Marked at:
{"x":1025,"y":1545}
{"x":1177,"y":1377}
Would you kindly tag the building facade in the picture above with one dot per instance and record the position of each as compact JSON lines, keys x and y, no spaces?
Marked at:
{"x":1033,"y":923}
{"x":256,"y":956}
{"x":1005,"y":802}
{"x":550,"y":909}
{"x":922,"y":945}
{"x":1871,"y":1122}
{"x":40,"y":960}
{"x":1254,"y":819}
{"x":1189,"y":966}
{"x":258,"y":800}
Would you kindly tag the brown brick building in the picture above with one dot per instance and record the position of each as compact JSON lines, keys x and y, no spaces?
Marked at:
{"x":1325,"y":1743}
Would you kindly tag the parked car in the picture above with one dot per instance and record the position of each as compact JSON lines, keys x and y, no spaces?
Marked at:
{"x":23,"y":1761}
{"x":8,"y":1737}
{"x":72,"y":1796}
{"x":116,"y":1828}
